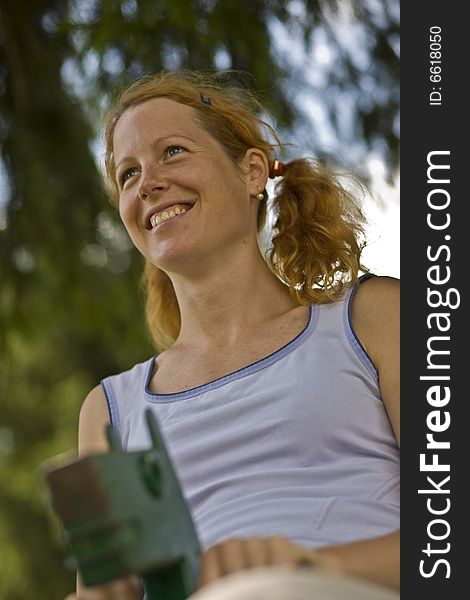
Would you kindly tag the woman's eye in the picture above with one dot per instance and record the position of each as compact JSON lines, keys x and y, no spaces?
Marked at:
{"x":127,"y":174}
{"x":174,"y":150}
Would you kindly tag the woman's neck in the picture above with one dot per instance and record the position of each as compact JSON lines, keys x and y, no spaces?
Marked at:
{"x":226,"y":305}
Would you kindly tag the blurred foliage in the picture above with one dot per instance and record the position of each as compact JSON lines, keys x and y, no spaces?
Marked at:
{"x":70,"y":306}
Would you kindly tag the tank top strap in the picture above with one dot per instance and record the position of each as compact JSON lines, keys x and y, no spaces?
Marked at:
{"x":351,"y":334}
{"x":335,"y":324}
{"x":124,"y":396}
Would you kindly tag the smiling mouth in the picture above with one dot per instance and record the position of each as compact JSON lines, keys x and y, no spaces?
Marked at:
{"x":168,"y":213}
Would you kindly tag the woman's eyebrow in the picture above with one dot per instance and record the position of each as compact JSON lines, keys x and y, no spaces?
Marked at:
{"x":155,"y":143}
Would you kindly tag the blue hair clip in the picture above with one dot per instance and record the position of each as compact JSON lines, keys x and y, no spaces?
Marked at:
{"x":207,"y":100}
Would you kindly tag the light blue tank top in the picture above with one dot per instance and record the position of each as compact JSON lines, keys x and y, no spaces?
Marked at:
{"x":297,"y":444}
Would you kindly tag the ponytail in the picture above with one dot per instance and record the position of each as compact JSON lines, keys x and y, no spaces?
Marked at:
{"x":315,"y":248}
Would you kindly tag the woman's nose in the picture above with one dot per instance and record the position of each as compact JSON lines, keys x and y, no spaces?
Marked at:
{"x":151,"y":183}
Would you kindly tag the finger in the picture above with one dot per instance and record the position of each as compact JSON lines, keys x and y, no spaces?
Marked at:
{"x":231,"y":556}
{"x":211,"y":568}
{"x":136,"y":586}
{"x":256,"y":552}
{"x":281,"y":551}
{"x":121,"y":589}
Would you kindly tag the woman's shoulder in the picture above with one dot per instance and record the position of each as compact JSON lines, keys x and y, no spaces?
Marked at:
{"x":375,"y":315}
{"x":95,"y":410}
{"x":135,"y":371}
{"x":94,"y":416}
{"x":377,"y":292}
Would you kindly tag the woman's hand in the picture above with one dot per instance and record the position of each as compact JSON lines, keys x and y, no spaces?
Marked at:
{"x":219,"y":560}
{"x":376,"y":559}
{"x":121,"y":589}
{"x":238,"y":554}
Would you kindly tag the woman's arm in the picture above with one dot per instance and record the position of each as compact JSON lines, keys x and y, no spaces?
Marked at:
{"x":375,"y":559}
{"x":94,"y":417}
{"x":376,"y":321}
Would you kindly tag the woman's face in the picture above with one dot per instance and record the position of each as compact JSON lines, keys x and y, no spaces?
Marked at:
{"x":181,"y":198}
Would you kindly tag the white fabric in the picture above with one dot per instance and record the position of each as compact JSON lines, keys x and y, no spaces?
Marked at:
{"x":288,"y":584}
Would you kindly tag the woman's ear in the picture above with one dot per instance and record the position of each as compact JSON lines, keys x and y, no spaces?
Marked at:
{"x":256,"y":167}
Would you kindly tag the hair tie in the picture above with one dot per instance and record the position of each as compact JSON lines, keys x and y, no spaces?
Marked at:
{"x":277,"y":169}
{"x":207,"y":101}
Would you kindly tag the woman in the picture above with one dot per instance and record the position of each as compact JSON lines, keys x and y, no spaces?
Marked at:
{"x":276,"y":383}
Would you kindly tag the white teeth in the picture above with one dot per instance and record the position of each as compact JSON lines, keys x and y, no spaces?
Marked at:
{"x":163,"y":216}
